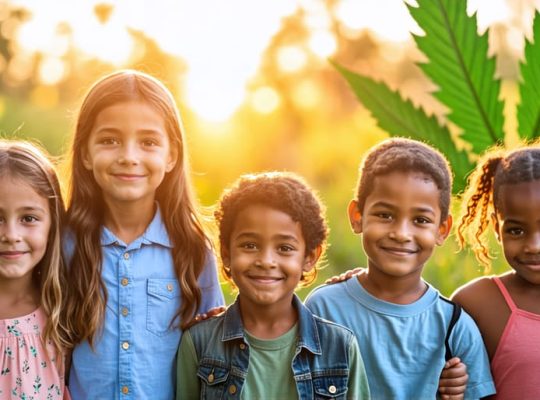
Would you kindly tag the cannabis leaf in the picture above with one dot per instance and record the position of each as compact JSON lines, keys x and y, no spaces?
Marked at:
{"x":528,"y":111}
{"x":399,"y":117}
{"x":459,"y":65}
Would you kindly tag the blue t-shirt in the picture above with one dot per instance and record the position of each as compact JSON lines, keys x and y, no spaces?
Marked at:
{"x":134,"y":357}
{"x":403,"y":345}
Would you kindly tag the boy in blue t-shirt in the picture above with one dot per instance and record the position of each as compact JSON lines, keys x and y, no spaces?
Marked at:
{"x":268,"y":345}
{"x":401,"y":209}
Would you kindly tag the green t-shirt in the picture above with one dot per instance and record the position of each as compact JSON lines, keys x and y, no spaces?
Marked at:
{"x":269,"y":375}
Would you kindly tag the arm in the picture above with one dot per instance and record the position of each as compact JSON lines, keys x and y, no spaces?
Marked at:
{"x":453,"y":380}
{"x":187,"y":382}
{"x":358,"y":385}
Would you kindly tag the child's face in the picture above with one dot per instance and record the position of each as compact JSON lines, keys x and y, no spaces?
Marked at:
{"x":400,"y":223}
{"x":517,"y":224}
{"x":129,"y":152}
{"x":25,"y":221}
{"x":266,"y":255}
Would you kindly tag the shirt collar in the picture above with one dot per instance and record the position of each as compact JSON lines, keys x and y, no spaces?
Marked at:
{"x":307,"y":326}
{"x":155,"y":233}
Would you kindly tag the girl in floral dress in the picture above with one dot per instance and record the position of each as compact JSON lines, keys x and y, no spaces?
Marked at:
{"x":32,"y":334}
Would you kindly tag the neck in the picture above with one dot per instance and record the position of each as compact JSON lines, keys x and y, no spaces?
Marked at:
{"x":18,"y":297}
{"x":128,"y":221}
{"x":268,"y":322}
{"x":397,"y":290}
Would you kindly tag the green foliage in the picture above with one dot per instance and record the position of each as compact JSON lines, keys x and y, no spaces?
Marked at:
{"x":400,"y":117}
{"x":459,"y":65}
{"x":528,"y":112}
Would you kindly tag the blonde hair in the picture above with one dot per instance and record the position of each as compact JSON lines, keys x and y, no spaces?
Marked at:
{"x":481,"y":198}
{"x":180,"y":210}
{"x":27,"y":162}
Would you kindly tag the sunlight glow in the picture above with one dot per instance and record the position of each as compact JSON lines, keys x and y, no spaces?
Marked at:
{"x":389,"y":19}
{"x":265,"y":100}
{"x":306,"y":94}
{"x":322,"y":43}
{"x":291,"y":58}
{"x":51,"y":71}
{"x":489,"y":12}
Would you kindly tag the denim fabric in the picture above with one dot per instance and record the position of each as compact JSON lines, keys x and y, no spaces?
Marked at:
{"x":320,"y":365}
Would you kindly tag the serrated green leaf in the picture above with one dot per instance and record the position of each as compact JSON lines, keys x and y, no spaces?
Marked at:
{"x":528,"y":111}
{"x":459,"y":65}
{"x":399,"y":117}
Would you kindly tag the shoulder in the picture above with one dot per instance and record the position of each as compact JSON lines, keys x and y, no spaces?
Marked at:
{"x":327,"y":291}
{"x":208,"y":328}
{"x":476,"y":295}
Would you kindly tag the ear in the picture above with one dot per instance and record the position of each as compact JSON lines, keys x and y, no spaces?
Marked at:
{"x":173,"y":159}
{"x":86,"y":159}
{"x":355,"y":217}
{"x":496,"y":226}
{"x":225,"y":257}
{"x":444,"y":230}
{"x":311,"y":259}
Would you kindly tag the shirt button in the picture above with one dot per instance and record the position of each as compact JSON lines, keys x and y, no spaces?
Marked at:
{"x":125,"y":311}
{"x":124,"y":281}
{"x":125,"y":389}
{"x":170,"y":287}
{"x":332,"y":389}
{"x":242,"y":346}
{"x":211,"y":378}
{"x":126,"y":256}
{"x":125,"y":345}
{"x":232,"y":389}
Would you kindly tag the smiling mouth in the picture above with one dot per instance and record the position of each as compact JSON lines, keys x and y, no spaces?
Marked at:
{"x":399,"y":250}
{"x":11,"y":255}
{"x":264,"y":280}
{"x":128,"y":177}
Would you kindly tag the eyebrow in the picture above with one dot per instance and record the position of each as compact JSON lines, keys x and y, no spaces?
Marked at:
{"x":144,"y":131}
{"x":29,"y":209}
{"x":384,"y":204}
{"x":249,"y":235}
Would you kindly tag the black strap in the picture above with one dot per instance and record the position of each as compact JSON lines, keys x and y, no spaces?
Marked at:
{"x":455,"y":316}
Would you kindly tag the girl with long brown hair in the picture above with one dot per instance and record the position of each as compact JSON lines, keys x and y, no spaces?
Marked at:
{"x":141,"y":265}
{"x":32,"y":275}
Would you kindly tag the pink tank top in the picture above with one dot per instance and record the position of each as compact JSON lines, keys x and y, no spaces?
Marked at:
{"x":516,"y":363}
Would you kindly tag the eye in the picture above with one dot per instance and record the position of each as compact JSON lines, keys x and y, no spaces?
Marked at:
{"x":422,"y":220}
{"x":285,"y":248}
{"x":150,"y":143}
{"x":515,"y":231}
{"x":108,"y":141}
{"x":29,"y":219}
{"x":384,"y":215}
{"x":248,"y":246}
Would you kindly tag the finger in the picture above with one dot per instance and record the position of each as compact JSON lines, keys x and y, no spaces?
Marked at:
{"x":452,"y":362}
{"x":452,"y":390}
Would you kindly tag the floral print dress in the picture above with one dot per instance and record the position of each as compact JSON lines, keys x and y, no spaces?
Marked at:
{"x":29,"y":369}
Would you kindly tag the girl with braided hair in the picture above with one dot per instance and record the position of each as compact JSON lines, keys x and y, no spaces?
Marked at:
{"x":505,"y":190}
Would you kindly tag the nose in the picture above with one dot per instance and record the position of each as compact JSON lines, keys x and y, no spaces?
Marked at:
{"x":400,"y":231}
{"x":9,"y":232}
{"x":129,"y":154}
{"x":266,"y":259}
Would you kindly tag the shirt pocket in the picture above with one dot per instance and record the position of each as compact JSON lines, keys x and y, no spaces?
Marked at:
{"x":213,"y":377}
{"x":163,"y":301}
{"x":330,"y":385}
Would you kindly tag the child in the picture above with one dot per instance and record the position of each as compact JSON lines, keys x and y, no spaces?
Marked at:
{"x":32,"y":334}
{"x":267,"y":345}
{"x":141,"y":264}
{"x":506,"y":188}
{"x":402,"y":211}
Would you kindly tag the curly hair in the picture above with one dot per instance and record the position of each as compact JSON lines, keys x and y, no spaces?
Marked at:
{"x":283,"y":191}
{"x":481,"y":198}
{"x":405,"y":155}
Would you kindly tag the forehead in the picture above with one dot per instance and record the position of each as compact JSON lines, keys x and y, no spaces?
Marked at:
{"x":401,"y":188}
{"x":260,"y":217}
{"x":519,"y":199}
{"x":138,"y":113}
{"x":18,"y":193}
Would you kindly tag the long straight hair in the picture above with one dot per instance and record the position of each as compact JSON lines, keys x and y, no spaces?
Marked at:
{"x":180,"y":210}
{"x":27,"y":163}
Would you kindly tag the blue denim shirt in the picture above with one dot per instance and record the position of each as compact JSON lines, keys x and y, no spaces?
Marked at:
{"x":134,"y":355}
{"x":320,"y":364}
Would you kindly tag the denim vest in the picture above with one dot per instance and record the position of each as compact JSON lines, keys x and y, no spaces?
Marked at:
{"x":320,"y":364}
